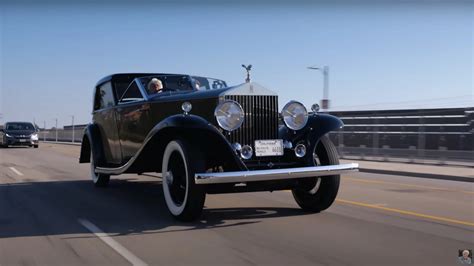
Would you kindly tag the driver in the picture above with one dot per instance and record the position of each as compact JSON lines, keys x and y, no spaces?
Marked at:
{"x":155,"y":86}
{"x":197,"y":84}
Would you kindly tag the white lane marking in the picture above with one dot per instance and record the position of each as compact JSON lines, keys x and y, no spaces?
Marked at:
{"x":134,"y":260}
{"x":16,"y":171}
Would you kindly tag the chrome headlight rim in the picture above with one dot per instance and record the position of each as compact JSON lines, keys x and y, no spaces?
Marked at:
{"x":287,"y":118}
{"x":220,"y":122}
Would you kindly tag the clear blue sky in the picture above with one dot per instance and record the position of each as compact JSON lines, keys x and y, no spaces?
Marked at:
{"x":381,"y":55}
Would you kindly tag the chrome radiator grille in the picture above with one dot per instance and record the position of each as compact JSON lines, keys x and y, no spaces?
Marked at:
{"x":260,"y":121}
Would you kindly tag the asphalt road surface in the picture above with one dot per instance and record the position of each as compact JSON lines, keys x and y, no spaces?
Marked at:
{"x":50,"y":214}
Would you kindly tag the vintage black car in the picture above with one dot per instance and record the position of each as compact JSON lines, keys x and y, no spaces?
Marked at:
{"x":19,"y":134}
{"x":204,"y":136}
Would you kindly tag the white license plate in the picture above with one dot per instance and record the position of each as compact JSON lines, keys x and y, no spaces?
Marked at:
{"x":269,"y":147}
{"x":23,"y":140}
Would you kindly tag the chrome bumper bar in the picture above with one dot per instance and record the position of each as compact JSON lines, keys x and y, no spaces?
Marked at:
{"x":274,"y":174}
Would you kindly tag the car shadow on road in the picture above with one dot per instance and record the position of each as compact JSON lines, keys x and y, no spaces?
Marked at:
{"x":130,"y":206}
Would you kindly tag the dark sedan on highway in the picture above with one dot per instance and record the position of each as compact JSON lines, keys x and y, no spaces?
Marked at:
{"x":204,"y":137}
{"x":19,"y":134}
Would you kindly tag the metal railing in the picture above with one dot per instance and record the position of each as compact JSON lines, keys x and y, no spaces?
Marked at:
{"x":61,"y":135}
{"x":441,"y":155}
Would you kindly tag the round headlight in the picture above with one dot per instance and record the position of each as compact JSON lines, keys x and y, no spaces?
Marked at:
{"x":34,"y":137}
{"x":186,"y":107}
{"x":229,"y":115}
{"x":294,"y":115}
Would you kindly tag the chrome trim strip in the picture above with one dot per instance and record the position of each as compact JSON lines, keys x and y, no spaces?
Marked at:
{"x":117,"y":170}
{"x":273,"y":174}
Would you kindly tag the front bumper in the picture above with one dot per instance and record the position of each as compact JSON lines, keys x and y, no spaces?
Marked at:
{"x":274,"y":174}
{"x":20,"y":142}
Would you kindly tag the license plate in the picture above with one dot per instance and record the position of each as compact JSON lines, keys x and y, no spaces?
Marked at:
{"x":23,"y":140}
{"x":269,"y":147}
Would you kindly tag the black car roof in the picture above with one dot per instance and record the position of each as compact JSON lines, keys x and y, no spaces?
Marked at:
{"x":18,"y":122}
{"x":128,"y":76}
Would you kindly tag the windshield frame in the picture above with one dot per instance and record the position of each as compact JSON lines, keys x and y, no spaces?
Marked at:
{"x":222,"y":83}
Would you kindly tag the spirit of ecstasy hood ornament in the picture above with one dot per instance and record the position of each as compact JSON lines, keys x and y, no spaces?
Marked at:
{"x":248,"y":68}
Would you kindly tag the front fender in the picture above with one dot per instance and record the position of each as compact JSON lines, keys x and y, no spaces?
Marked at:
{"x":317,"y":126}
{"x":192,"y":129}
{"x":184,"y":121}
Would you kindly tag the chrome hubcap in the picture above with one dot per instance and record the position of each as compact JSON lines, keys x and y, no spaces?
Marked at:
{"x":169,"y":178}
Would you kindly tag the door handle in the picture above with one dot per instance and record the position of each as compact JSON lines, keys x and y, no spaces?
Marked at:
{"x":144,"y":108}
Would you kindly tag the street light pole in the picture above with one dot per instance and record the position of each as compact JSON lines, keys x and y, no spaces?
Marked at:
{"x":72,"y":128}
{"x":325,"y":71}
{"x":56,"y":130}
{"x":44,"y":130}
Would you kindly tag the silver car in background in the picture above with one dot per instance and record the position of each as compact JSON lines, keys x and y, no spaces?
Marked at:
{"x":19,"y":134}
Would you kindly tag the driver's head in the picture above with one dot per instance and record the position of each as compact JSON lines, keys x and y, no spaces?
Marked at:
{"x":155,"y":85}
{"x":465,"y":253}
{"x":197,"y":84}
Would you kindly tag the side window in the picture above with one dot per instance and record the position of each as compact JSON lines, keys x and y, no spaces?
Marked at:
{"x":132,"y":93}
{"x":104,"y":97}
{"x":120,"y":87}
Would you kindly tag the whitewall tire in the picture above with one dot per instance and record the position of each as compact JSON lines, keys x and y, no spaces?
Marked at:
{"x":184,"y":199}
{"x":99,"y":180}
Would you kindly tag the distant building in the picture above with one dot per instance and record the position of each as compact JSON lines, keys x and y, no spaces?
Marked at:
{"x":76,"y":127}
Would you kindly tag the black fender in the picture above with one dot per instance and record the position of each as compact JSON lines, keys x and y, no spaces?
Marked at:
{"x":192,"y":129}
{"x":92,"y":139}
{"x":317,"y":126}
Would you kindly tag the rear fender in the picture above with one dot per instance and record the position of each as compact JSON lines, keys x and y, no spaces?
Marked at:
{"x":91,"y":139}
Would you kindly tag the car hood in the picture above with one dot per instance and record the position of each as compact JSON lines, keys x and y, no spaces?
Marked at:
{"x":19,"y":132}
{"x":252,"y":89}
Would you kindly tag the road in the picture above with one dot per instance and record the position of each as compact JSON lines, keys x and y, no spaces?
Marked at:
{"x":50,"y":214}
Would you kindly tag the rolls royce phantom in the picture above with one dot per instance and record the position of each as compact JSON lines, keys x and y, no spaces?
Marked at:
{"x":203,"y":136}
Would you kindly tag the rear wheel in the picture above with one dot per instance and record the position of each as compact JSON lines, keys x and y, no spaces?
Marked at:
{"x":316,"y":194}
{"x":184,"y":199}
{"x":99,"y":180}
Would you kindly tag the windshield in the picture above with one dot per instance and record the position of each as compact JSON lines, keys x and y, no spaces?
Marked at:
{"x":202,"y":83}
{"x":19,"y":126}
{"x":161,"y":83}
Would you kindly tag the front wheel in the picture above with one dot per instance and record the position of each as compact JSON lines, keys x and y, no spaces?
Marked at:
{"x":185,"y":199}
{"x":316,"y":194}
{"x":99,"y":180}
